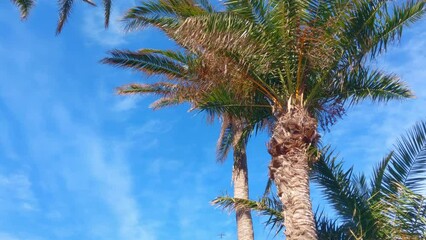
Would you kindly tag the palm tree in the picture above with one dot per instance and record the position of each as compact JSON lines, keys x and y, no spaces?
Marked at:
{"x":65,"y":7}
{"x":182,"y":72}
{"x":389,"y":206}
{"x":308,"y":59}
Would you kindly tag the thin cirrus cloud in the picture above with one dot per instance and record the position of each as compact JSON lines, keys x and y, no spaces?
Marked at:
{"x":16,"y":193}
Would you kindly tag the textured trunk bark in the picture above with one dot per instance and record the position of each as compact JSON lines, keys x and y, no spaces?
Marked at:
{"x":240,"y":179}
{"x":292,"y":136}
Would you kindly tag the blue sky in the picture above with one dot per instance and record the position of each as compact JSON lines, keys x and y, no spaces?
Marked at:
{"x":79,"y":162}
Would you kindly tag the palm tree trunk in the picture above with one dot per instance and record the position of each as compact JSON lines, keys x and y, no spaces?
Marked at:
{"x":240,"y":179}
{"x":293,"y":134}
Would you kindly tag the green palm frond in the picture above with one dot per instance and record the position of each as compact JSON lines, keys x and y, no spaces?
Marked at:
{"x":408,"y":163}
{"x":342,"y":190}
{"x":220,"y":101}
{"x":269,"y":207}
{"x":149,"y":62}
{"x":394,"y":20}
{"x":163,"y":14}
{"x":368,"y":27}
{"x":255,"y":10}
{"x":336,"y":184}
{"x":24,"y":7}
{"x":407,"y":213}
{"x":378,"y":176}
{"x":327,"y":228}
{"x":374,"y":85}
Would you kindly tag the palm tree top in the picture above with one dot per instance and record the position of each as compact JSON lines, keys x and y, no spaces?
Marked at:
{"x":308,"y":53}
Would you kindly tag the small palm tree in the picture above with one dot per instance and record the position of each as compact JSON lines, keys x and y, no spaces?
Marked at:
{"x":183,"y":85}
{"x":64,"y":10}
{"x":389,"y":206}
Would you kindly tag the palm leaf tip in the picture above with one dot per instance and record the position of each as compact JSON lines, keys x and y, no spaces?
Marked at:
{"x":375,"y":85}
{"x":224,"y":141}
{"x":409,"y":160}
{"x":90,"y":2}
{"x":64,"y":11}
{"x":107,"y":11}
{"x":24,"y":7}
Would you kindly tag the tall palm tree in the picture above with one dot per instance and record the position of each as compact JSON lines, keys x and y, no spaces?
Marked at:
{"x":65,"y":7}
{"x":183,"y":84}
{"x":309,"y":59}
{"x":388,"y":206}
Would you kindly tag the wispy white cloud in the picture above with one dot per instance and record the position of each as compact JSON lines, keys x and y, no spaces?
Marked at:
{"x":93,"y":27}
{"x":16,"y":193}
{"x":126,"y":103}
{"x":116,"y":189}
{"x":152,"y":126}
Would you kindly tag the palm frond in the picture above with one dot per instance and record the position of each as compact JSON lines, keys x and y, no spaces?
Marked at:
{"x":220,"y":101}
{"x":90,"y":2}
{"x":206,"y":5}
{"x":336,"y":184}
{"x":224,"y":142}
{"x":64,"y":11}
{"x":162,"y":14}
{"x":327,"y":228}
{"x":395,"y":19}
{"x":408,"y":163}
{"x":254,"y":10}
{"x":149,"y":62}
{"x":341,"y":190}
{"x":378,"y":176}
{"x":269,"y":207}
{"x":24,"y":7}
{"x":166,"y":102}
{"x":374,"y":85}
{"x":407,"y":211}
{"x":107,"y":11}
{"x":159,"y":88}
